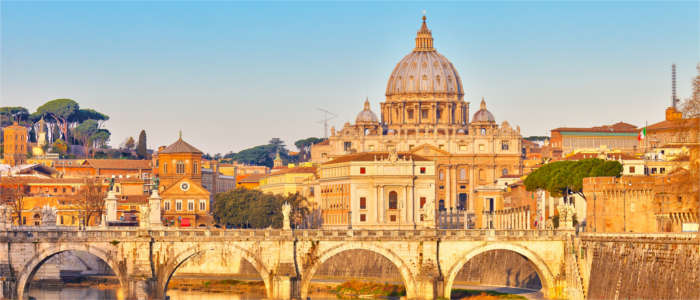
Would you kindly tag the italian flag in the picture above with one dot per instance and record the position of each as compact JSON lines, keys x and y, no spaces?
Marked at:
{"x":642,"y":134}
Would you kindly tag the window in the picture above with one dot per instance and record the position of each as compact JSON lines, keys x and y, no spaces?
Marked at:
{"x":462,"y":201}
{"x":392,"y":218}
{"x":422,"y":217}
{"x":504,"y":145}
{"x":632,"y":169}
{"x":157,"y":162}
{"x":442,"y":175}
{"x":166,"y":205}
{"x":442,"y":187}
{"x":363,"y":217}
{"x":462,"y":147}
{"x":165,"y":168}
{"x":64,"y":190}
{"x":55,"y":190}
{"x":393,"y":200}
{"x":653,"y":170}
{"x":483,"y":131}
{"x":422,"y":170}
{"x":482,"y":147}
{"x":178,"y":205}
{"x":662,"y":170}
{"x":410,"y":114}
{"x":363,"y":203}
{"x":462,"y":174}
{"x":441,"y":147}
{"x":61,"y":220}
{"x":422,"y":202}
{"x":424,"y":114}
{"x":371,"y":147}
{"x":347,"y":146}
{"x":363,"y":170}
{"x":194,"y":167}
{"x":442,"y":204}
{"x":410,"y":147}
{"x":190,"y":205}
{"x":180,"y":167}
{"x":504,"y":172}
{"x":202,"y":205}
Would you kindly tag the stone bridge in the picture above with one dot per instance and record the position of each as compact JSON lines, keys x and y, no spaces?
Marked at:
{"x":145,"y":260}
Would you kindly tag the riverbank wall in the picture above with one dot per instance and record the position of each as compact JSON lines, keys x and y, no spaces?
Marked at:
{"x":644,"y":266}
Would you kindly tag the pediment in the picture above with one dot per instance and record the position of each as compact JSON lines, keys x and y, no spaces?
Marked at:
{"x":193,"y":188}
{"x":429,"y":150}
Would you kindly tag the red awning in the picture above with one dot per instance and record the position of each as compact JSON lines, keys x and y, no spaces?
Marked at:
{"x":185,"y":222}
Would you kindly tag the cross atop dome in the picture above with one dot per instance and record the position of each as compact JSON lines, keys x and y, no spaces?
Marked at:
{"x":424,"y":38}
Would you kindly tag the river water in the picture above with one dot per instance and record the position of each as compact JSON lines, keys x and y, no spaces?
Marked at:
{"x":89,"y":293}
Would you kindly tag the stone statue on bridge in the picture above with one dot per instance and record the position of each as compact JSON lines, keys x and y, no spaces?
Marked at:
{"x":5,"y":217}
{"x":429,"y":218}
{"x":48,"y":216}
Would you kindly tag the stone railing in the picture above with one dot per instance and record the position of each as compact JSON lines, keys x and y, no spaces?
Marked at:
{"x":48,"y":234}
{"x":667,"y":237}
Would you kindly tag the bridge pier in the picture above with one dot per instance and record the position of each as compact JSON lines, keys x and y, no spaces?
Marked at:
{"x":143,"y":289}
{"x":428,"y":288}
{"x":9,"y":288}
{"x":285,"y":288}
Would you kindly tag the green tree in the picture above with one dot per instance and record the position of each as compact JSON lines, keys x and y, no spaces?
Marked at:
{"x":84,"y":134}
{"x":60,"y":111}
{"x":244,"y":208}
{"x":304,"y":146}
{"x":9,"y":114}
{"x":561,"y":177}
{"x":59,"y":146}
{"x":129,"y":143}
{"x":100,"y":138}
{"x":141,"y":150}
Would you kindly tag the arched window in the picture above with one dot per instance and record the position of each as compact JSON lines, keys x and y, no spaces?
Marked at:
{"x":504,"y":172}
{"x":180,"y":167}
{"x":462,"y":174}
{"x":442,"y":175}
{"x":393,"y":200}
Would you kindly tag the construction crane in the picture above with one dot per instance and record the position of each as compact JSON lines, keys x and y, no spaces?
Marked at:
{"x":327,"y":116}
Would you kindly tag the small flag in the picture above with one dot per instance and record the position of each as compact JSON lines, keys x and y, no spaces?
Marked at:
{"x":642,"y":134}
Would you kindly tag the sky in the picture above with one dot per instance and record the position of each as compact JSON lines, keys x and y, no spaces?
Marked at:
{"x":232,"y":75}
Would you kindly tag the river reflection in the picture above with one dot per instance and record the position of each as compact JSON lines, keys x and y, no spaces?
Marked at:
{"x":73,"y":293}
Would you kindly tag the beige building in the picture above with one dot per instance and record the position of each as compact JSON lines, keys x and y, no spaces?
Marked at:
{"x":287,"y":181}
{"x":425,"y":114}
{"x":377,"y":191}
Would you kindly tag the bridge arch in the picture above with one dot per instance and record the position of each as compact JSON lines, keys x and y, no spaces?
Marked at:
{"x":27,"y":273}
{"x":541,"y":268}
{"x":406,"y":275}
{"x":177,"y":261}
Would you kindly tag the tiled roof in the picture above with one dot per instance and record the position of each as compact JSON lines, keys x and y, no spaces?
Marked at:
{"x":252,"y":178}
{"x":617,"y":127}
{"x":180,"y":146}
{"x":612,"y":156}
{"x":39,"y":180}
{"x":292,"y":170}
{"x":372,"y":156}
{"x":132,"y":164}
{"x":133,"y":199}
{"x":682,"y":123}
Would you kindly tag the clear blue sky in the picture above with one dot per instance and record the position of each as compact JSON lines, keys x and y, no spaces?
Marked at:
{"x":235,"y":74}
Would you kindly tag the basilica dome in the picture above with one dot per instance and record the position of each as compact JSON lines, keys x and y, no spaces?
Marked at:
{"x":424,"y":72}
{"x":483,"y":114}
{"x":366,"y":115}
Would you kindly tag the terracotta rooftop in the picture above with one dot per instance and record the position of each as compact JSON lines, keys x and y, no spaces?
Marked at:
{"x":39,"y":180}
{"x":372,"y":156}
{"x":252,"y":178}
{"x":133,"y":199}
{"x":180,"y":146}
{"x":617,"y":127}
{"x":610,"y":156}
{"x":682,"y":123}
{"x":133,"y":164}
{"x":291,"y":170}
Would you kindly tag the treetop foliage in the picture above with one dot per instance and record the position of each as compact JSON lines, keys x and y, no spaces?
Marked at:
{"x":558,"y":177}
{"x":244,"y":208}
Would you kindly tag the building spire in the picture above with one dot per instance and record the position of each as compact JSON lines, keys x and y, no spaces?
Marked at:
{"x":483,"y":103}
{"x":180,"y":137}
{"x":367,"y":103}
{"x":424,"y":38}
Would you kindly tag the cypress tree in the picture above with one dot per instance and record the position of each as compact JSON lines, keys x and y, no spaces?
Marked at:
{"x":141,"y":147}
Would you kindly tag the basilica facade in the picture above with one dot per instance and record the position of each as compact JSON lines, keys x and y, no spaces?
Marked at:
{"x":425,"y":114}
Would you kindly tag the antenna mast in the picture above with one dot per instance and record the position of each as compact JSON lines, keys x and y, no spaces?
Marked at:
{"x":327,"y":116}
{"x":674,"y":100}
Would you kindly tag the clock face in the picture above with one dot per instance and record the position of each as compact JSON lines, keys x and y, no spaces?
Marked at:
{"x":184,"y":186}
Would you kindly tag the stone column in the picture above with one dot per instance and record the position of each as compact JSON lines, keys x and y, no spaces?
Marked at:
{"x":527,"y":219}
{"x":448,"y":198}
{"x":111,"y":207}
{"x":382,"y":206}
{"x":143,"y":289}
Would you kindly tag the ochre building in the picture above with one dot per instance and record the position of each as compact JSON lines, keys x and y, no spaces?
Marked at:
{"x":15,"y":144}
